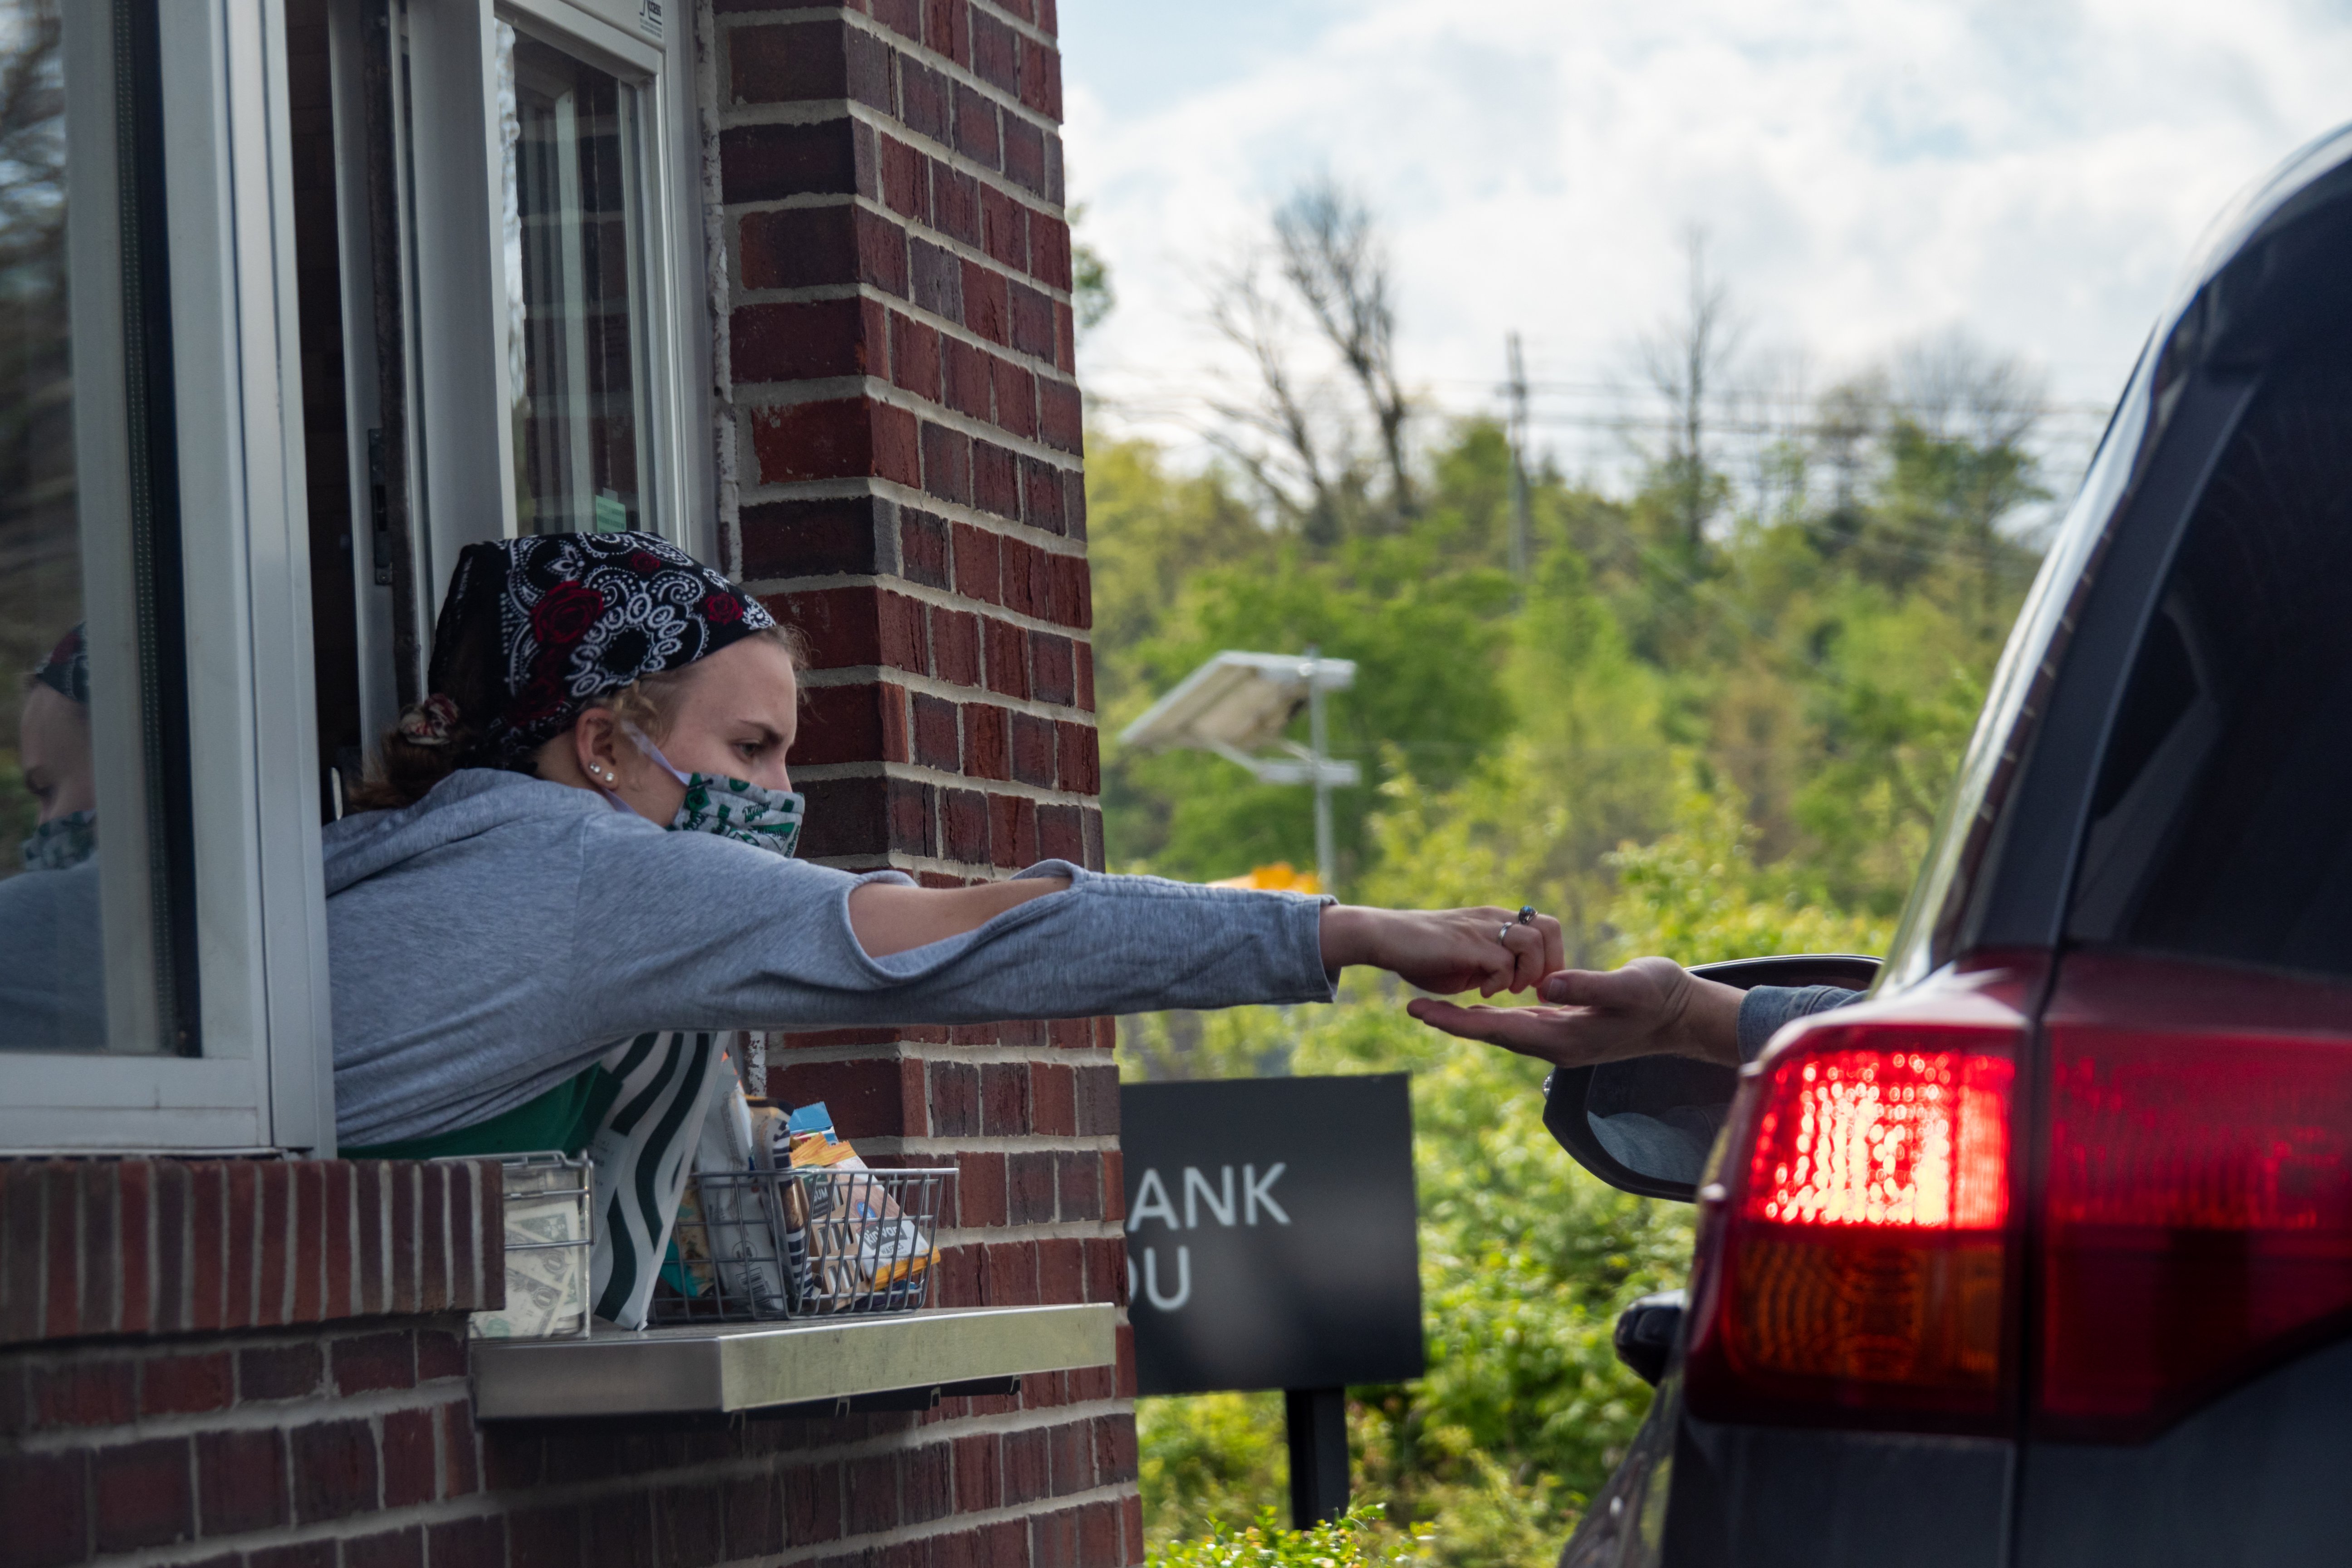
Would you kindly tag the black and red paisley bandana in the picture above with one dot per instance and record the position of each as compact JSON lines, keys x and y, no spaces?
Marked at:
{"x":535,"y":628}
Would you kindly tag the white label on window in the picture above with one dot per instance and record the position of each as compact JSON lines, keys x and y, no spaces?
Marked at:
{"x":649,"y":18}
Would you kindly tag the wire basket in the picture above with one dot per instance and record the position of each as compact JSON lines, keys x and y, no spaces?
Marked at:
{"x":801,"y":1243}
{"x":550,"y":1238}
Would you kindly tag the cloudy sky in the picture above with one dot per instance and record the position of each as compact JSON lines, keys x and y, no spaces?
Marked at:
{"x":1869,"y":170}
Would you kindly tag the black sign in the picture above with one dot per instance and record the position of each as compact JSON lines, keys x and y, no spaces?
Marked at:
{"x":1270,"y":1233}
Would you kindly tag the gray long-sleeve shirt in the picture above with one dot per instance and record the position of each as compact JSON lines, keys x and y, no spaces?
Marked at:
{"x":499,"y":935}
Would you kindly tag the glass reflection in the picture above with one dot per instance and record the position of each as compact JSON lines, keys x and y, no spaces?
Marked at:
{"x":575,"y":355}
{"x":52,"y":995}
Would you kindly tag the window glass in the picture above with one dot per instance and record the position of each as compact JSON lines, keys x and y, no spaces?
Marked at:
{"x":574,"y":312}
{"x":71,"y":537}
{"x":2219,"y":823}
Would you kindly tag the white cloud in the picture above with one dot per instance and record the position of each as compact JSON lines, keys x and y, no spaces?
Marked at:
{"x":1870,"y":170}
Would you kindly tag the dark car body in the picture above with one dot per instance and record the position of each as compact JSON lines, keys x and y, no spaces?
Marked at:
{"x":2144,"y":880}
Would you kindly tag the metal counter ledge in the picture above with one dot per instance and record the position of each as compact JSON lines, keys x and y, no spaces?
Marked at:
{"x":720,"y":1369}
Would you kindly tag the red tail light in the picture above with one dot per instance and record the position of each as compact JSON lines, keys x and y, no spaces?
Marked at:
{"x":1862,"y":1258}
{"x":2199,"y":1216}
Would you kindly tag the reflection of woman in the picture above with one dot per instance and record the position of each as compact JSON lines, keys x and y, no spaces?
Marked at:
{"x":52,"y":991}
{"x":518,"y":907}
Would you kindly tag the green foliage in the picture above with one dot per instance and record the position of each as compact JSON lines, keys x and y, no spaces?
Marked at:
{"x":1709,"y":752}
{"x":1355,"y":1541}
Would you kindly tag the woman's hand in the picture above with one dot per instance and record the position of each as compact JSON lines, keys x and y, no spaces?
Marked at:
{"x":1446,"y":950}
{"x":1652,"y":1006}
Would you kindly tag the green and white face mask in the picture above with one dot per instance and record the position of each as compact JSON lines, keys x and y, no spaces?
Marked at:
{"x":62,"y":843}
{"x":730,"y":807}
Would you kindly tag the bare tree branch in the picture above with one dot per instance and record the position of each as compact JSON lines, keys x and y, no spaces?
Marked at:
{"x":1331,"y":254}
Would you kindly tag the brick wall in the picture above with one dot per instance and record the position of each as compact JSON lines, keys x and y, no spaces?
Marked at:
{"x":900,"y":461}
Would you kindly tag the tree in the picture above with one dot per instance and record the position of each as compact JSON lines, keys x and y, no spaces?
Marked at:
{"x":1688,"y":361}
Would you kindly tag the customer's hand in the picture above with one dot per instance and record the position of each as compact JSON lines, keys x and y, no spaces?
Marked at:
{"x":1447,"y":950}
{"x":1652,"y":1006}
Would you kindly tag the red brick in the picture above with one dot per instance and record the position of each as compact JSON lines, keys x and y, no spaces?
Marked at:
{"x":861,"y":625}
{"x":241,"y":1482}
{"x":101,"y":1248}
{"x":966,"y":387}
{"x":849,"y":438}
{"x":1105,"y":1264}
{"x":1023,"y":575}
{"x":947,"y":463}
{"x":1049,"y":251}
{"x":1016,"y":397}
{"x":1097,"y":1101}
{"x":1114,"y":1185}
{"x":808,"y":60}
{"x":995,"y":480}
{"x":987,"y":310}
{"x":1053,"y":1102}
{"x":1041,"y":90}
{"x":873,"y":1490}
{"x":954,"y":1100}
{"x":277,"y":1240}
{"x":1061,"y":834}
{"x":1028,"y":1468}
{"x":935,"y":739}
{"x":754,"y":1518}
{"x":1003,"y":228}
{"x":857,"y":723}
{"x":1131,"y":1508}
{"x":905,"y":179}
{"x":1007,"y":649}
{"x":811,"y":538}
{"x":766,"y":162}
{"x":368,"y":1185}
{"x":911,"y":807}
{"x":44,"y":1500}
{"x":981,"y":1195}
{"x":1012,"y":830}
{"x":461,"y":1464}
{"x":342,"y":1300}
{"x":955,"y":643}
{"x":1004,"y":1545}
{"x":915,"y":357}
{"x":802,"y":247}
{"x":1086,"y":663}
{"x":1099,"y":1526}
{"x":870,"y":1098}
{"x":926,"y":98}
{"x":309,"y":1257}
{"x":1054,"y":1540}
{"x":947,"y":29}
{"x":1004,"y":1100}
{"x":1069,"y":591}
{"x":1079,"y":758}
{"x":804,"y":341}
{"x":1033,"y":749}
{"x":238,"y":1260}
{"x":86,"y":1394}
{"x":470,"y":1543}
{"x":1024,"y":154}
{"x":1062,"y":1269}
{"x":812,"y":1500}
{"x":1065,"y":339}
{"x":393,"y":1549}
{"x":143,"y":1496}
{"x":1115,"y":1449}
{"x":1029,"y":1187}
{"x":1032,"y":321}
{"x":1052,"y":670}
{"x":996,"y":53}
{"x":987,"y":748}
{"x":976,"y":131}
{"x":411,"y":1467}
{"x":432,"y":1237}
{"x":171,"y":1262}
{"x":334,"y":1470}
{"x":440,"y":1354}
{"x":978,"y":563}
{"x":923,"y":548}
{"x":963,"y":826}
{"x":187,"y":1384}
{"x":1071,"y":1449}
{"x":278,"y":1372}
{"x":374,"y":1360}
{"x":135,"y":1180}
{"x":1091,"y":820}
{"x":957,"y":204}
{"x":688,"y":1527}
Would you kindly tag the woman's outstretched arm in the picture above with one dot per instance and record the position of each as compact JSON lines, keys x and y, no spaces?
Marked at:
{"x":1486,"y":950}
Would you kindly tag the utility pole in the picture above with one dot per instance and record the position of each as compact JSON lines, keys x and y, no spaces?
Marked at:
{"x":1317,"y":743}
{"x":1518,"y":429}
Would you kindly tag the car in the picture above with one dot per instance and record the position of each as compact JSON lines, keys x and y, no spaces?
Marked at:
{"x":2041,"y":1252}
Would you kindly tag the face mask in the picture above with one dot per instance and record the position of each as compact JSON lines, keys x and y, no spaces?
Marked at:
{"x":62,"y":843}
{"x":730,"y":807}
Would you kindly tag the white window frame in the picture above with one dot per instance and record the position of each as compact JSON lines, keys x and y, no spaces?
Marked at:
{"x":264,"y":1079}
{"x":462,"y":454}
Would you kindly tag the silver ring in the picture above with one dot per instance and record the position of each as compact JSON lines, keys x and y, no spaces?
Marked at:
{"x":1504,"y":936}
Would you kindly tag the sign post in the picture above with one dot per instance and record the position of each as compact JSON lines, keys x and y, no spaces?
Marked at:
{"x":1270,"y":1244}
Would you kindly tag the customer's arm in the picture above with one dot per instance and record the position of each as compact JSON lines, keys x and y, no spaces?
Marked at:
{"x":1651,"y":1006}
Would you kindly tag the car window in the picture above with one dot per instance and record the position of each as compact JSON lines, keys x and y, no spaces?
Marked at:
{"x":2221,"y":823}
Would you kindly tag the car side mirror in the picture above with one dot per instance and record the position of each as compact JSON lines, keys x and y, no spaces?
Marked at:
{"x":1646,"y":1126}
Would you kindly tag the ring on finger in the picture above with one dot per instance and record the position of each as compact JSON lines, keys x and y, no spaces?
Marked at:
{"x":1503,"y":936}
{"x":1527,"y":914}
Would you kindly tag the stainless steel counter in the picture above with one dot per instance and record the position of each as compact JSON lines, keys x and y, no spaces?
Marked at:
{"x":746,"y":1366}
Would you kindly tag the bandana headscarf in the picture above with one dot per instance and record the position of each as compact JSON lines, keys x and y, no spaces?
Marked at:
{"x":66,"y":671}
{"x":536,"y":628}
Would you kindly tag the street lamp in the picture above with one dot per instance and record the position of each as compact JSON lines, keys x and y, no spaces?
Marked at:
{"x":1238,"y":702}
